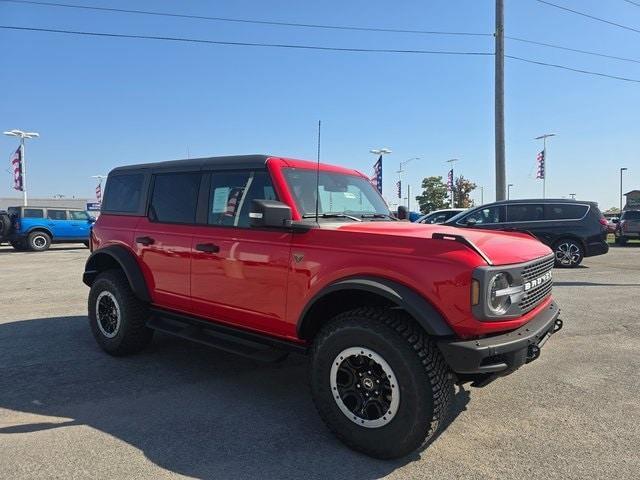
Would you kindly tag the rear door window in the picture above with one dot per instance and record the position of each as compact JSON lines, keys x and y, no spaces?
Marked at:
{"x":123,"y":193}
{"x":564,"y":211}
{"x":525,"y":212}
{"x":53,"y":214}
{"x":33,"y":213}
{"x":175,"y":197}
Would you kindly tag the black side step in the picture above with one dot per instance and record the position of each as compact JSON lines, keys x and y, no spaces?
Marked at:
{"x":229,"y":339}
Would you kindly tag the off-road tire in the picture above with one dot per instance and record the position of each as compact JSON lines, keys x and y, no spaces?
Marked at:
{"x":424,"y":380}
{"x":19,"y":245}
{"x":5,"y":225}
{"x":38,"y":241}
{"x":132,"y":335}
{"x":622,"y":241}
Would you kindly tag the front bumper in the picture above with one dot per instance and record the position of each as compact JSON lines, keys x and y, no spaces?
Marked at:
{"x":502,"y":354}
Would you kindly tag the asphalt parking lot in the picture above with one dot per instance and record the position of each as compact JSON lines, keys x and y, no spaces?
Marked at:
{"x":180,"y":410}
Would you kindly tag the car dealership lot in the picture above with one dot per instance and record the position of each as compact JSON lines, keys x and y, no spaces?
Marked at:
{"x":67,"y":410}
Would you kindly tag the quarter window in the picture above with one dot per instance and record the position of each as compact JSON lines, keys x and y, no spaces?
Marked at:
{"x":568,"y":211}
{"x":123,"y":193}
{"x":174,"y":198}
{"x":56,"y":214}
{"x":32,"y":213}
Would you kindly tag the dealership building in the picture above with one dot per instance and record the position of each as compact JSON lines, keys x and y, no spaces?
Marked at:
{"x":6,"y":202}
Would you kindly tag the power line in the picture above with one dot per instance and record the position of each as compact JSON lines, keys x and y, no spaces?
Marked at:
{"x":243,"y":20}
{"x":577,"y":50}
{"x":563,"y":67}
{"x":305,"y":25}
{"x":632,"y":2}
{"x":592,"y":17}
{"x":243,"y":44}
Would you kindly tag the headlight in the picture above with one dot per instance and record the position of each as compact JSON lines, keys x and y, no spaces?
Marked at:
{"x":499,"y":293}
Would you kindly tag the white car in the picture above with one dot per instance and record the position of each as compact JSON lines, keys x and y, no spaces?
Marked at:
{"x":440,"y":216}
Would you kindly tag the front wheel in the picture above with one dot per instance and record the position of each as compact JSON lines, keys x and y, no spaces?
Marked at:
{"x":569,"y":253}
{"x":379,"y":383}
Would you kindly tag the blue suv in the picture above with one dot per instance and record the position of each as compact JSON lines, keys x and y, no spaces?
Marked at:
{"x":36,"y":228}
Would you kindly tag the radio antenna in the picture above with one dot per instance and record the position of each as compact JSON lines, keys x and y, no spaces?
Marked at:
{"x":318,"y":173}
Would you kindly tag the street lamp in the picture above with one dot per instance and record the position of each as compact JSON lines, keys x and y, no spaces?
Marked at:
{"x":621,"y":170}
{"x":544,"y":156}
{"x":399,"y":172}
{"x":509,"y":190}
{"x":573,"y":196}
{"x":23,"y":135}
{"x":380,"y":151}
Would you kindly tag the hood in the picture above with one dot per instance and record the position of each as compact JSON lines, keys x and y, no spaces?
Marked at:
{"x":501,"y":248}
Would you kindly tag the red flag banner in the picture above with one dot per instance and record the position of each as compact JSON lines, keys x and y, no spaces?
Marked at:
{"x":99,"y":192}
{"x":450,"y":180}
{"x":16,"y":168}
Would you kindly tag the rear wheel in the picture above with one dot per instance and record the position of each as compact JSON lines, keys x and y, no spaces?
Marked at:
{"x":569,"y":253}
{"x":38,"y":241}
{"x":19,"y":245}
{"x":116,"y":316}
{"x":379,"y":383}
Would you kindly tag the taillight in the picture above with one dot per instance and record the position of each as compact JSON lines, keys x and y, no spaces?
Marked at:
{"x":17,"y":225}
{"x":604,"y":223}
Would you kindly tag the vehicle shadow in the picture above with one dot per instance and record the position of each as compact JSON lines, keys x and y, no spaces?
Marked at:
{"x":191,"y":410}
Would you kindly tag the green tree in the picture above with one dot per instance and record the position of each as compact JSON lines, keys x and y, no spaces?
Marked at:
{"x":462,"y":189}
{"x":434,"y":195}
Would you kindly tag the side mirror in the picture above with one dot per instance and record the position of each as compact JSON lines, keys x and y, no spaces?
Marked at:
{"x":470,"y":222}
{"x":269,"y":213}
{"x":91,"y":219}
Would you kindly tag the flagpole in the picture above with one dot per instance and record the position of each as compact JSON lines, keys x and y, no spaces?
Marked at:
{"x":24,"y":172}
{"x":452,"y":162}
{"x":544,"y":158}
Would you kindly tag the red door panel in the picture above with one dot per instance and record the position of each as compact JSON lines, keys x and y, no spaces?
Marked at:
{"x":166,"y":262}
{"x":245,"y":281}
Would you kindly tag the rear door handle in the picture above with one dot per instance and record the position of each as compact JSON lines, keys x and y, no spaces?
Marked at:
{"x":207,"y":247}
{"x":146,"y":241}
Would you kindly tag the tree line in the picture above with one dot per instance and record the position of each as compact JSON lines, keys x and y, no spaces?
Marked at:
{"x":436,"y":195}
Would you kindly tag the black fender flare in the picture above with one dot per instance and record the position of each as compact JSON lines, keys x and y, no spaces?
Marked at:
{"x":116,"y":255}
{"x":402,"y":296}
{"x":38,"y":228}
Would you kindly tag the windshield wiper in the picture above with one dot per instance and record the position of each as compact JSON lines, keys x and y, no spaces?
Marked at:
{"x":331,"y":215}
{"x":378,"y":215}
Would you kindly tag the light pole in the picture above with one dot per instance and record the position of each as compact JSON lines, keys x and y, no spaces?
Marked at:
{"x":509,"y":190}
{"x":23,"y":135}
{"x":621,"y":170}
{"x":481,"y":195}
{"x":452,"y":162}
{"x":573,"y":196}
{"x":544,"y":157}
{"x":400,"y":172}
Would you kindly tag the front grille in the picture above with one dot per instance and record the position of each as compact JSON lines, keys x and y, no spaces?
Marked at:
{"x":535,"y":270}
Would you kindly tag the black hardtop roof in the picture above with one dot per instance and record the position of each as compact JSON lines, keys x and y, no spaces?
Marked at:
{"x":231,"y":161}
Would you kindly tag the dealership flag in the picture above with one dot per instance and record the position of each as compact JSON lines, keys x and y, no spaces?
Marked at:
{"x":399,"y":185}
{"x":99,"y":192}
{"x":540,"y":159}
{"x":376,"y":180}
{"x":450,"y":180}
{"x":16,"y":168}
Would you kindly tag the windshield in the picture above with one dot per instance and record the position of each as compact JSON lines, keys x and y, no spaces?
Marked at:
{"x":339,"y":194}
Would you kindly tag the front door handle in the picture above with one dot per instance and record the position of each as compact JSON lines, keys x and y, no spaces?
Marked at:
{"x":207,"y":247}
{"x":146,"y":241}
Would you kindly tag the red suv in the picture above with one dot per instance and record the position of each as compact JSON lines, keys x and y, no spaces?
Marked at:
{"x":262,"y":256}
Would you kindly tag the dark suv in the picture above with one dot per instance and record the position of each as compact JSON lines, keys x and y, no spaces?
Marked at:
{"x":261,"y":255}
{"x":628,"y":227}
{"x":573,"y":229}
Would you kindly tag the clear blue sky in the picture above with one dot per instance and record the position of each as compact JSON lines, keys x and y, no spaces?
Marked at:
{"x":99,"y":103}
